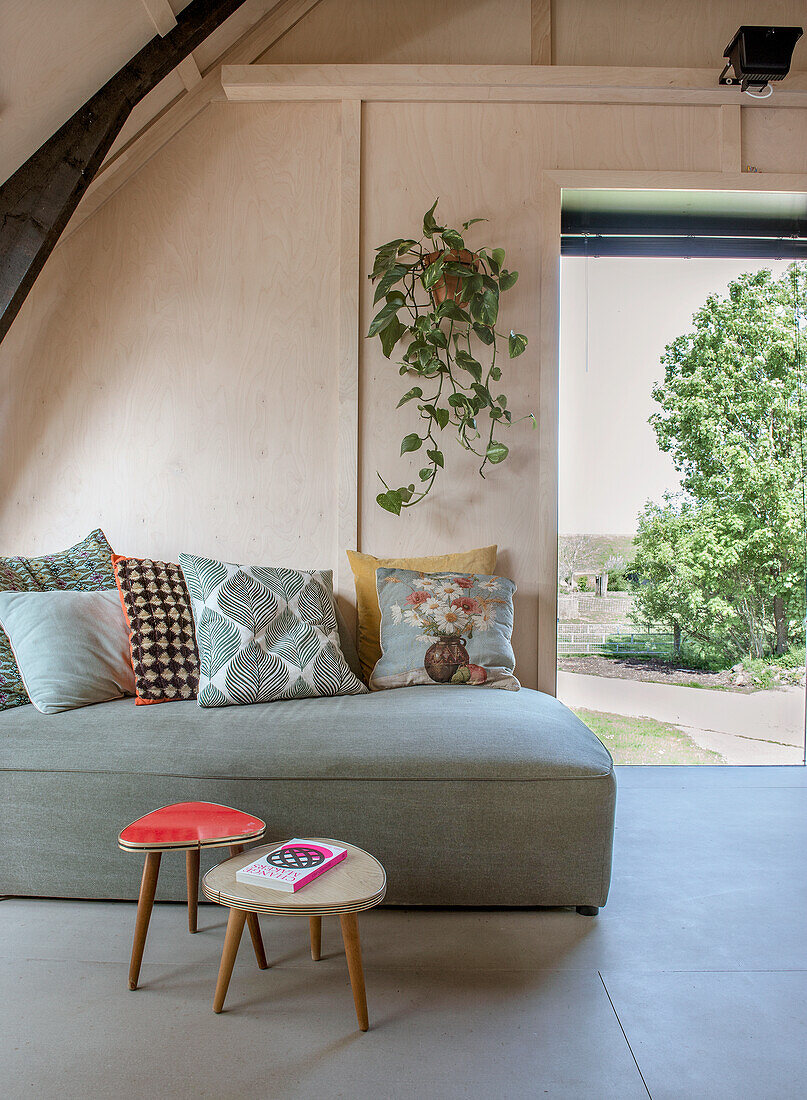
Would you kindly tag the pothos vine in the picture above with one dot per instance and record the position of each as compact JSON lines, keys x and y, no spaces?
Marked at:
{"x":450,"y":298}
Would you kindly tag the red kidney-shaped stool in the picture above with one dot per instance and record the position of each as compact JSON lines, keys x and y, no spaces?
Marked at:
{"x":186,"y":827}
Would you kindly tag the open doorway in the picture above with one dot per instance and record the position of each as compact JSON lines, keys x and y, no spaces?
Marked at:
{"x":681,"y":586}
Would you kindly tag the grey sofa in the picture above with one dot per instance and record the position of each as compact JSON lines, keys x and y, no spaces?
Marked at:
{"x":468,"y":797}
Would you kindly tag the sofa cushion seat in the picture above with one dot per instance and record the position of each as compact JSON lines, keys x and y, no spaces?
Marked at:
{"x":467,"y":796}
{"x":415,"y":733}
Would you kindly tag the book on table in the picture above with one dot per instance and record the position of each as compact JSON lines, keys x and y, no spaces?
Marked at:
{"x":292,"y":866}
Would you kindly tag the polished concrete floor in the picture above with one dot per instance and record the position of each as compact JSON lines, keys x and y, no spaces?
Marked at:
{"x":692,"y":982}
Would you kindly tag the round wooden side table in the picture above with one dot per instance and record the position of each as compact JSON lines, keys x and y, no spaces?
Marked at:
{"x":357,"y":883}
{"x":185,"y":827}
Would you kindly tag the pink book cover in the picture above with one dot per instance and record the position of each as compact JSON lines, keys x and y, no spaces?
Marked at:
{"x":292,"y":866}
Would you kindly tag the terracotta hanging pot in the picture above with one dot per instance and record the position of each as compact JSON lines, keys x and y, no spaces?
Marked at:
{"x":449,"y":286}
{"x":444,"y":658}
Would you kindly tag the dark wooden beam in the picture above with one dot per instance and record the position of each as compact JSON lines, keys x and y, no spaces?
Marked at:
{"x":38,"y":200}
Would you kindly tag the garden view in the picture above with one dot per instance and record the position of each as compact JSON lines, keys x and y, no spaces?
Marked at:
{"x":683,"y":641}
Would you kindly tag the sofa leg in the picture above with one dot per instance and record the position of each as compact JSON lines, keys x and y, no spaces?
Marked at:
{"x":587,"y":910}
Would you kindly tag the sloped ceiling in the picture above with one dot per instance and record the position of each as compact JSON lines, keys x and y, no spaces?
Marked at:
{"x":54,"y":54}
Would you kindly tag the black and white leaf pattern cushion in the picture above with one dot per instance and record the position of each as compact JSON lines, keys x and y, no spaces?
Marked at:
{"x":265,"y":634}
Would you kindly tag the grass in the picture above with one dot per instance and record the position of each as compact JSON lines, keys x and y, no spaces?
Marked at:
{"x":645,"y":741}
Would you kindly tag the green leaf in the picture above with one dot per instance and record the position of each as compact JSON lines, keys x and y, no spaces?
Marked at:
{"x":472,"y":221}
{"x":391,"y":335}
{"x":425,"y":473}
{"x":516,"y":344}
{"x":507,"y":279}
{"x":390,"y":246}
{"x":433,"y":274}
{"x":450,"y":310}
{"x":441,"y":416}
{"x":495,"y":373}
{"x":484,"y":334}
{"x":458,"y":400}
{"x":416,"y":391}
{"x":383,"y":317}
{"x":497,"y":452}
{"x":430,"y":226}
{"x":485,"y":307}
{"x":497,"y":255}
{"x":436,"y":457}
{"x":392,"y":276}
{"x":437,"y":337}
{"x":404,"y":246}
{"x":385,"y":257}
{"x":502,"y":399}
{"x":406,"y":492}
{"x":482,"y":392}
{"x":467,"y":362}
{"x":391,"y":501}
{"x":452,"y":238}
{"x":411,"y":442}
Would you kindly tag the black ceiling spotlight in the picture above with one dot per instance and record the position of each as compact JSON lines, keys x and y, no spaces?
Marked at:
{"x":759,"y":55}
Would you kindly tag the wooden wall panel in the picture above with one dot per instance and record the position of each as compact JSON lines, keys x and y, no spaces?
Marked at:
{"x":677,"y":33}
{"x":492,"y":32}
{"x":486,"y":161}
{"x":775,"y":141}
{"x":173,"y":374}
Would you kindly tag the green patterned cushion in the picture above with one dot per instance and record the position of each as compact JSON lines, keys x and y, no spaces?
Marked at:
{"x":85,"y":567}
{"x":265,"y":634}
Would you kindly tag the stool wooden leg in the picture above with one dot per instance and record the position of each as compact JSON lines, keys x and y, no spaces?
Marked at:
{"x":350,"y":935}
{"x":235,"y":926}
{"x":257,"y":942}
{"x":192,"y":877}
{"x":252,"y":922}
{"x":145,"y":903}
{"x":315,"y":928}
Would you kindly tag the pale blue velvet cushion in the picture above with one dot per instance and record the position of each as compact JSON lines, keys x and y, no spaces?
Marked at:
{"x":466,"y":616}
{"x":72,"y":648}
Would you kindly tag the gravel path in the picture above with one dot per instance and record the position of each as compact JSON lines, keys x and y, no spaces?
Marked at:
{"x":765,"y":727}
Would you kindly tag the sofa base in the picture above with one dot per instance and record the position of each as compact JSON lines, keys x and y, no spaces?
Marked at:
{"x":530,"y":842}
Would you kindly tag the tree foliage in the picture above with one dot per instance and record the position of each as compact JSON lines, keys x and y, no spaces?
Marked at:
{"x":724,"y":560}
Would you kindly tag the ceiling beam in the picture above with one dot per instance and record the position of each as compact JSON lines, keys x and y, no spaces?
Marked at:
{"x":37,"y":201}
{"x":162,"y":16}
{"x":140,"y":148}
{"x":495,"y":84}
{"x":540,"y":32}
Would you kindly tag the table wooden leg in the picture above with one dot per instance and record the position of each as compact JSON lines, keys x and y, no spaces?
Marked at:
{"x":315,"y":928}
{"x":192,"y":877}
{"x":257,"y":942}
{"x":252,"y":922}
{"x":145,"y":903}
{"x":350,"y":935}
{"x":235,"y":926}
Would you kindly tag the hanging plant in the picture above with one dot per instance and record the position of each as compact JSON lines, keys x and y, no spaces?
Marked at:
{"x":442,"y":301}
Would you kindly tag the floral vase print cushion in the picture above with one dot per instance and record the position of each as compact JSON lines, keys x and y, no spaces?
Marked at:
{"x":444,"y":628}
{"x":265,"y":634}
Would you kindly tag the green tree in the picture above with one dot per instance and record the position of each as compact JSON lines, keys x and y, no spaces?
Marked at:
{"x":724,"y":561}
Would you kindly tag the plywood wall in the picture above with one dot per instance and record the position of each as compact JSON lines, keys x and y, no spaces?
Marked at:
{"x":174,"y":375}
{"x":675,"y":33}
{"x":171,"y":377}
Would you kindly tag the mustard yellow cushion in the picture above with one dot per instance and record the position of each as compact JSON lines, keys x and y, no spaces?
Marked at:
{"x":482,"y":560}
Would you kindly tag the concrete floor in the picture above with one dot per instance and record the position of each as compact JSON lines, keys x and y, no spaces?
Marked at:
{"x":691,"y":983}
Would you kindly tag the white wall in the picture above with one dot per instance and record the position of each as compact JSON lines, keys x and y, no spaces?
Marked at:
{"x":617,"y":316}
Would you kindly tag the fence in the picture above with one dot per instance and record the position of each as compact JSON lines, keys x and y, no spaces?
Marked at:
{"x":615,"y":608}
{"x":612,"y":639}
